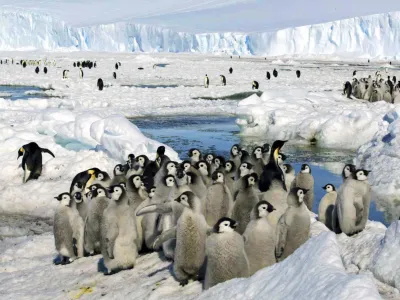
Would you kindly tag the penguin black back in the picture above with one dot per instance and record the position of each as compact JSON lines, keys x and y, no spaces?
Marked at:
{"x":275,"y":73}
{"x":45,"y":70}
{"x":115,"y":75}
{"x":100,"y":84}
{"x":37,"y":70}
{"x":230,"y":70}
{"x":268,"y":76}
{"x":298,"y":74}
{"x":116,"y":66}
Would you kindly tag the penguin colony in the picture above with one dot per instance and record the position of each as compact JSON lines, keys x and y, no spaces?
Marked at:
{"x":215,"y":218}
{"x":377,"y":87}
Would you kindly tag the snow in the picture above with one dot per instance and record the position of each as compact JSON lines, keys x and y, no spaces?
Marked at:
{"x":370,"y":36}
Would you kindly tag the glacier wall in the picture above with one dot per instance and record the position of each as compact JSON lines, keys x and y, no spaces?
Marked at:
{"x":369,"y":36}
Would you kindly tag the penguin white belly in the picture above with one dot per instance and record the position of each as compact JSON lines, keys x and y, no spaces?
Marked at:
{"x":27,"y":173}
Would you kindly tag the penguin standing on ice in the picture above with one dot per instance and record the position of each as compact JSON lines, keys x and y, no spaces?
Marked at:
{"x":354,"y":73}
{"x":347,"y":89}
{"x":115,"y":75}
{"x":268,"y":76}
{"x":223,"y":80}
{"x":100,"y":84}
{"x":32,"y":160}
{"x":37,"y":70}
{"x":298,"y":74}
{"x":45,"y":70}
{"x":74,"y":64}
{"x":275,"y":73}
{"x":230,"y":70}
{"x":65,"y":74}
{"x":116,"y":66}
{"x":255,"y":85}
{"x":80,"y":73}
{"x":206,"y":81}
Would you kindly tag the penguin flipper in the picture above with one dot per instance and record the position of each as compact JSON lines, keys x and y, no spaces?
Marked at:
{"x":281,"y":234}
{"x":44,"y":150}
{"x":165,"y":236}
{"x":155,"y":208}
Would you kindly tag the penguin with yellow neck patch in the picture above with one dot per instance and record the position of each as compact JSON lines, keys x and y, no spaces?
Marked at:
{"x":85,"y":178}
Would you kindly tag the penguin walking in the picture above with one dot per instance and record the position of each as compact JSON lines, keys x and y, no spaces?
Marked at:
{"x":24,"y":64}
{"x":32,"y":160}
{"x":275,"y":73}
{"x":254,"y":85}
{"x":114,"y":75}
{"x":80,"y":73}
{"x":116,"y":66}
{"x":268,"y":76}
{"x":293,"y":228}
{"x":259,"y":238}
{"x":223,"y":80}
{"x":354,"y":73}
{"x":45,"y":70}
{"x":37,"y":70}
{"x":65,"y":74}
{"x":74,"y":64}
{"x":100,"y":84}
{"x":206,"y":81}
{"x":298,"y":73}
{"x":347,"y":89}
{"x":326,"y":205}
{"x":226,"y":256}
{"x":230,"y":70}
{"x":305,"y":180}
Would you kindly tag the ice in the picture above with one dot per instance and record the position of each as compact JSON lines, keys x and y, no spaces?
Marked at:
{"x":354,"y":37}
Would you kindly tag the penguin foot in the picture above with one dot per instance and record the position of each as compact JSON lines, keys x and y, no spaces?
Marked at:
{"x":183,"y":282}
{"x":65,"y":260}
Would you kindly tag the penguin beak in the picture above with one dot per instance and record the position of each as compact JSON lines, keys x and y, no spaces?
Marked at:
{"x":20,"y":153}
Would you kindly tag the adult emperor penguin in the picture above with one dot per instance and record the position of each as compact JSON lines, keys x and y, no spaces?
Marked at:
{"x":37,"y":70}
{"x":226,"y":257}
{"x":305,"y":180}
{"x":118,"y":233}
{"x":230,"y":70}
{"x":68,"y":230}
{"x":353,"y":201}
{"x":272,"y":170}
{"x":206,"y":81}
{"x":85,"y":178}
{"x":45,"y":70}
{"x":100,"y":84}
{"x":298,"y":73}
{"x":194,"y":155}
{"x":254,"y":85}
{"x":275,"y":73}
{"x":259,"y":238}
{"x":245,"y":199}
{"x":98,"y":204}
{"x":190,"y":233}
{"x":65,"y":74}
{"x":80,"y":73}
{"x":114,"y":75}
{"x":347,"y":89}
{"x":116,"y":66}
{"x":32,"y":160}
{"x":266,"y":153}
{"x":219,"y":202}
{"x":327,"y":204}
{"x":268,"y":76}
{"x":289,"y":173}
{"x":293,"y":228}
{"x":223,"y":80}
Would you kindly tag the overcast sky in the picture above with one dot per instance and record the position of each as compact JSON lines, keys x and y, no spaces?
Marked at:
{"x":206,"y":15}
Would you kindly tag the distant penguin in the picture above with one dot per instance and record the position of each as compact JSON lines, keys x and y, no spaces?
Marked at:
{"x":368,"y":61}
{"x":90,"y":65}
{"x":347,"y":89}
{"x":65,"y":74}
{"x":275,"y":73}
{"x":74,"y":64}
{"x":24,"y":64}
{"x":119,"y":63}
{"x":116,"y":66}
{"x":45,"y":70}
{"x":32,"y":160}
{"x":100,"y":84}
{"x":114,"y":75}
{"x":230,"y":70}
{"x":95,"y":64}
{"x":37,"y":70}
{"x":140,"y":68}
{"x":354,"y":73}
{"x":326,"y":205}
{"x":223,"y":80}
{"x":78,"y":64}
{"x":268,"y":75}
{"x":254,"y":85}
{"x":298,"y":73}
{"x":80,"y":73}
{"x":394,"y":79}
{"x":206,"y":81}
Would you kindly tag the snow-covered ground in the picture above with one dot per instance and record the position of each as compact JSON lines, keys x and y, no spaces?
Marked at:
{"x":87,"y":128}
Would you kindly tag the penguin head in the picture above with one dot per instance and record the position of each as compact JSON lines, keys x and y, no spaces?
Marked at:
{"x":95,"y":186}
{"x":235,"y":150}
{"x":195,"y":154}
{"x":258,"y":152}
{"x":78,"y":186}
{"x":244,"y":155}
{"x":203,"y":167}
{"x":78,"y":197}
{"x":219,"y":161}
{"x":262,"y":209}
{"x":131,"y":158}
{"x":151,"y":192}
{"x":92,"y":172}
{"x":299,"y":193}
{"x":225,"y":225}
{"x":245,"y":169}
{"x":287,"y":169}
{"x":348,"y":170}
{"x":99,"y":192}
{"x":250,"y":180}
{"x":142,"y":160}
{"x":116,"y":192}
{"x":186,"y":165}
{"x":217,"y":177}
{"x":89,"y":195}
{"x":64,"y":198}
{"x":329,"y":188}
{"x":305,"y":169}
{"x":101,"y":176}
{"x":169,"y":181}
{"x":171,"y":168}
{"x":276,"y":147}
{"x":266,"y":147}
{"x":136,"y":181}
{"x":160,"y":151}
{"x":229,"y":166}
{"x":119,"y":170}
{"x":123,"y":184}
{"x":21,"y":152}
{"x":361,"y":175}
{"x":209,"y":158}
{"x":281,"y":158}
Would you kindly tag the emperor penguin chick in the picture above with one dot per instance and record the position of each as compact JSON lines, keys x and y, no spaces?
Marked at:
{"x":230,"y":171}
{"x":81,"y":205}
{"x":118,"y":233}
{"x":245,"y":200}
{"x":205,"y":170}
{"x":194,"y":155}
{"x":354,"y":198}
{"x":119,"y":175}
{"x":136,"y":192}
{"x":102,"y":178}
{"x":68,"y":230}
{"x":190,"y":233}
{"x":168,"y":168}
{"x":226,"y":257}
{"x":293,"y":228}
{"x":326,"y":205}
{"x":289,"y":174}
{"x":234,"y":155}
{"x":259,"y":238}
{"x":219,"y":202}
{"x":197,"y":186}
{"x":305,"y":181}
{"x":257,"y":160}
{"x":98,"y":203}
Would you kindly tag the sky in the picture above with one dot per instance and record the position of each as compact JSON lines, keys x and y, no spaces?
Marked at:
{"x":205,"y":15}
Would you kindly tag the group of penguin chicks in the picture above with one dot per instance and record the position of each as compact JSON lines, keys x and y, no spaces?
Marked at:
{"x":216,"y":219}
{"x":373,"y":89}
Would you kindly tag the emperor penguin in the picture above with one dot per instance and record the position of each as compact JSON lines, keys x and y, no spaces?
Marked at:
{"x":266,"y":153}
{"x":45,"y":70}
{"x":219,"y":202}
{"x":209,"y":158}
{"x":190,"y":233}
{"x":354,"y":73}
{"x":135,"y":191}
{"x":74,"y":64}
{"x":197,"y":186}
{"x":275,"y":73}
{"x":353,"y":202}
{"x":254,"y":85}
{"x":37,"y":70}
{"x":100,"y":84}
{"x":257,"y":160}
{"x":98,"y":204}
{"x":65,"y":74}
{"x":290,"y":175}
{"x":298,"y":73}
{"x":259,"y":238}
{"x":223,"y":80}
{"x":102,"y":178}
{"x":206,"y":81}
{"x":243,"y":170}
{"x":305,"y":180}
{"x":217,"y":164}
{"x":81,"y":205}
{"x":347,"y":89}
{"x":268,"y":75}
{"x":194,"y":155}
{"x":226,"y":256}
{"x":32,"y":160}
{"x":234,"y":155}
{"x":293,"y":228}
{"x":85,"y":178}
{"x":119,"y":175}
{"x":116,"y":66}
{"x":205,"y":171}
{"x":114,"y":75}
{"x":348,"y":171}
{"x":80,"y":73}
{"x":230,"y":70}
{"x":149,"y":221}
{"x":245,"y":199}
{"x":230,"y":171}
{"x":326,"y":205}
{"x":169,"y":168}
{"x":68,"y":230}
{"x":118,"y":233}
